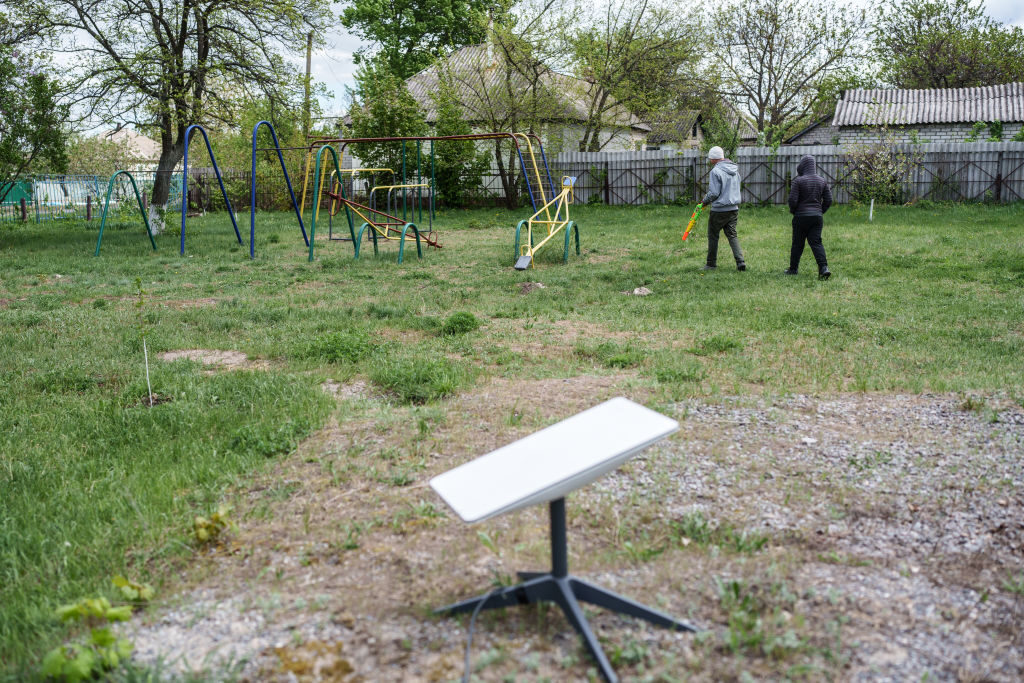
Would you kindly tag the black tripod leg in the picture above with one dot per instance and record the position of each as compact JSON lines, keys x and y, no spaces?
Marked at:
{"x":567,"y":601}
{"x":522,"y":594}
{"x":588,"y":592}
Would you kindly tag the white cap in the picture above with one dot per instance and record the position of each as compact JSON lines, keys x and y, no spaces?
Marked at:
{"x":716,"y":152}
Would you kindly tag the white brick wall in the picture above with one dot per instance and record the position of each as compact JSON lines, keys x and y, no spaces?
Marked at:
{"x":949,"y":132}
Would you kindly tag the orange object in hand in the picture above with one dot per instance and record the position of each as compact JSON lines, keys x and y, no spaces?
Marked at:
{"x":693,"y":220}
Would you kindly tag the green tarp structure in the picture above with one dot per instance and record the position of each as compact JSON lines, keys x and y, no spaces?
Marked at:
{"x":21,"y":190}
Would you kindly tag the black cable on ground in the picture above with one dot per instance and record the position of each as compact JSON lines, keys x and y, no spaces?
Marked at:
{"x":466,"y":672}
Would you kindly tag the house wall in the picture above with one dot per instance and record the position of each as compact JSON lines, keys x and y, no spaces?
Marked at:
{"x":566,"y":138}
{"x":946,"y":132}
{"x":822,"y":134}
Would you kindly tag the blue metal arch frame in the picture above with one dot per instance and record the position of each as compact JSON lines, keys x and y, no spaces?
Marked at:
{"x":252,"y":188}
{"x":184,"y":184}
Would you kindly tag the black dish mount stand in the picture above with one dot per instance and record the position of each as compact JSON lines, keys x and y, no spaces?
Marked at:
{"x":565,"y":590}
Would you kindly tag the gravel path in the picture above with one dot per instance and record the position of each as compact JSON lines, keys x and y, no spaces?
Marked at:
{"x":895,"y":549}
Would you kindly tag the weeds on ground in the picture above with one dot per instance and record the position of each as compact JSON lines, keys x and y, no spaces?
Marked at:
{"x":459,"y":323}
{"x":715,"y":344}
{"x":613,"y":355}
{"x":694,"y":528}
{"x":101,"y":652}
{"x":1014,"y":584}
{"x":348,"y":346}
{"x":420,"y":379}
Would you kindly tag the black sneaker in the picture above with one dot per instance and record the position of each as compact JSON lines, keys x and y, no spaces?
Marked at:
{"x":824,"y":273}
{"x":789,"y":271}
{"x":741,"y":267}
{"x":710,"y":267}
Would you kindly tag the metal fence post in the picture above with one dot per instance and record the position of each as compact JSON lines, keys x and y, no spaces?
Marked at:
{"x":999,"y":178}
{"x":607,"y":184}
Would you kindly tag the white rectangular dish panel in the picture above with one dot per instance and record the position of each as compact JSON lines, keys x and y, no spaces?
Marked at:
{"x":550,"y":463}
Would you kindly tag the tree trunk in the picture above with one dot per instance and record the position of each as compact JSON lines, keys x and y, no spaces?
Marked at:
{"x":507,"y":177}
{"x":171,"y":154}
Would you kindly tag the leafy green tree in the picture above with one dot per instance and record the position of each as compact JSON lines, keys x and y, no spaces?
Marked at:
{"x":406,"y":35}
{"x":505,"y":84}
{"x":163,"y":66}
{"x":383,"y":107}
{"x":32,"y":131}
{"x":632,"y":58}
{"x":459,"y":165}
{"x":945,"y":44}
{"x":775,"y":55}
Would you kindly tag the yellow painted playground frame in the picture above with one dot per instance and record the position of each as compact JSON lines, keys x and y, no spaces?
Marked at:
{"x":524,"y":254}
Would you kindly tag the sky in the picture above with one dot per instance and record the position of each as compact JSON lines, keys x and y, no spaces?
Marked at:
{"x":333,"y":64}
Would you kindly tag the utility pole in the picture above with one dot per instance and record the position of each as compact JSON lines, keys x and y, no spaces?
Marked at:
{"x":309,"y":61}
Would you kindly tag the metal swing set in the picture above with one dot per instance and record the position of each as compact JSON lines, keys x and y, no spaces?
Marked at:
{"x":550,"y":210}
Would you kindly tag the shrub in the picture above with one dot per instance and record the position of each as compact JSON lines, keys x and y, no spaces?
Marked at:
{"x":715,"y":344}
{"x":879,"y":170}
{"x":612,"y":355}
{"x":680,"y":371}
{"x":349,"y":346}
{"x":459,"y":323}
{"x":419,"y":379}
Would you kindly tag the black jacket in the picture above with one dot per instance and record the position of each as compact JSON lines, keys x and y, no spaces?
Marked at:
{"x":809,"y":195}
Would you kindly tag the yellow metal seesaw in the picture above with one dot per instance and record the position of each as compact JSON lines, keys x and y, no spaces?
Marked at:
{"x":525,"y":253}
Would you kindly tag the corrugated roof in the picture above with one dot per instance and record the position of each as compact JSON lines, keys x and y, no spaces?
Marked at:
{"x":476,"y":77}
{"x":948,"y":105}
{"x":674,"y":129}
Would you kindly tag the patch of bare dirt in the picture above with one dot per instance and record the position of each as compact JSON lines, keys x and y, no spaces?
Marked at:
{"x":354,"y":389}
{"x":889,"y":523}
{"x":215,"y":359}
{"x":527,"y":287}
{"x":184,"y":304}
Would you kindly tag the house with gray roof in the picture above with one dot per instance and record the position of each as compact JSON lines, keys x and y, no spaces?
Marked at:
{"x":685,"y":131}
{"x":490,"y":94}
{"x":936,"y":115}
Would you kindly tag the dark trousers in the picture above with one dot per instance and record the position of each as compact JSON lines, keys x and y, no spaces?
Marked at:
{"x":723,"y":221}
{"x":807,"y":228}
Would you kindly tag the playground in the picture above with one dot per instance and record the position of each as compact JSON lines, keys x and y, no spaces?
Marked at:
{"x":842,"y":501}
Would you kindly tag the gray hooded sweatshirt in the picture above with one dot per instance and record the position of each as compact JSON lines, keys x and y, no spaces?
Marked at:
{"x":723,"y":187}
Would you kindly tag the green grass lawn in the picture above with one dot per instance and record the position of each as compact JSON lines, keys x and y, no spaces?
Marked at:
{"x":93,"y":482}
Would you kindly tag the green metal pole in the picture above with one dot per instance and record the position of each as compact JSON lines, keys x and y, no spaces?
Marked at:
{"x":106,"y":205}
{"x":404,"y":182}
{"x":317,"y":184}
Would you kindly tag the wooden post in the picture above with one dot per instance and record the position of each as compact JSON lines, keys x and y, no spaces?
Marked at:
{"x":24,"y":211}
{"x":88,"y":207}
{"x":145,"y":201}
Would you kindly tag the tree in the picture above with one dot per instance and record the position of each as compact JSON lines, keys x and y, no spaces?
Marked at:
{"x":504,"y":84}
{"x":406,"y":35}
{"x":459,"y":166}
{"x":162,"y":66}
{"x":633,"y":60}
{"x":383,"y":107}
{"x":945,"y":44}
{"x":776,"y":54}
{"x":32,"y":130}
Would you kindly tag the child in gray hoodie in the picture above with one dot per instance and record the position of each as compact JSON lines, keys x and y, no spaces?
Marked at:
{"x":724,"y":196}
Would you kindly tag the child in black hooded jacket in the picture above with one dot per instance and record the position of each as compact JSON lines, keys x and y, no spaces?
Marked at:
{"x":809,"y":199}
